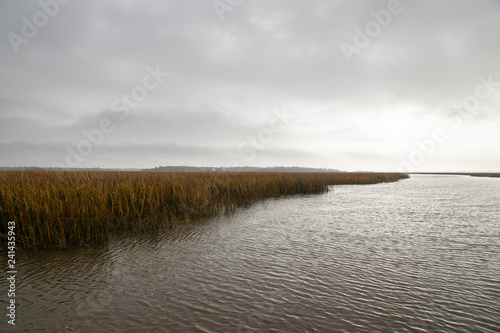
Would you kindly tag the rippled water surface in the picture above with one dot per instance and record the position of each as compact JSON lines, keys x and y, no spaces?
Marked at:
{"x":422,"y":254}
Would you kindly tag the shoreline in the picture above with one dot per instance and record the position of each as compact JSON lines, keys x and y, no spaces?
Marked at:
{"x":471,"y":174}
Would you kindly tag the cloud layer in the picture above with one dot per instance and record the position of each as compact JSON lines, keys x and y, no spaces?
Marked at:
{"x":228,"y":79}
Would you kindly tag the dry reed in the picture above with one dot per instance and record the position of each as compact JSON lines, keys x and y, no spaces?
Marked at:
{"x":74,"y":208}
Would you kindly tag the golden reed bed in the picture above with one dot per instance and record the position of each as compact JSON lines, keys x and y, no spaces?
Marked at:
{"x":74,"y":208}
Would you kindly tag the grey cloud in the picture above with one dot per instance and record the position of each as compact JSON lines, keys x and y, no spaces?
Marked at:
{"x":227,"y":77}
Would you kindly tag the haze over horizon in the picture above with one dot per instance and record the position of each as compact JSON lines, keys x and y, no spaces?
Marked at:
{"x":367,"y":85}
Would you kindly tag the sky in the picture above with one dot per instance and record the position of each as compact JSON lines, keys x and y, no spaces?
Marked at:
{"x":351,"y":85}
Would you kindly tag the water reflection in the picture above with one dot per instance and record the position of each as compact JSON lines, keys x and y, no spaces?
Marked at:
{"x":418,"y":255}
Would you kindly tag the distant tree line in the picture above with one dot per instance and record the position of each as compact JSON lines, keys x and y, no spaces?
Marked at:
{"x":241,"y":169}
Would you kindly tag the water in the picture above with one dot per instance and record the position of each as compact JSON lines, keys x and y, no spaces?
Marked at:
{"x":422,"y":254}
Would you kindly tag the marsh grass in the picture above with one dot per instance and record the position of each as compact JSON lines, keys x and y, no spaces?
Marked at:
{"x":74,"y":208}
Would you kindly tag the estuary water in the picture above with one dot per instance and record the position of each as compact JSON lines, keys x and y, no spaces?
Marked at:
{"x":419,"y":255}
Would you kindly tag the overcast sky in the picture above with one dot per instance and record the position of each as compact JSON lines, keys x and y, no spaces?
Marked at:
{"x":352,"y":85}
